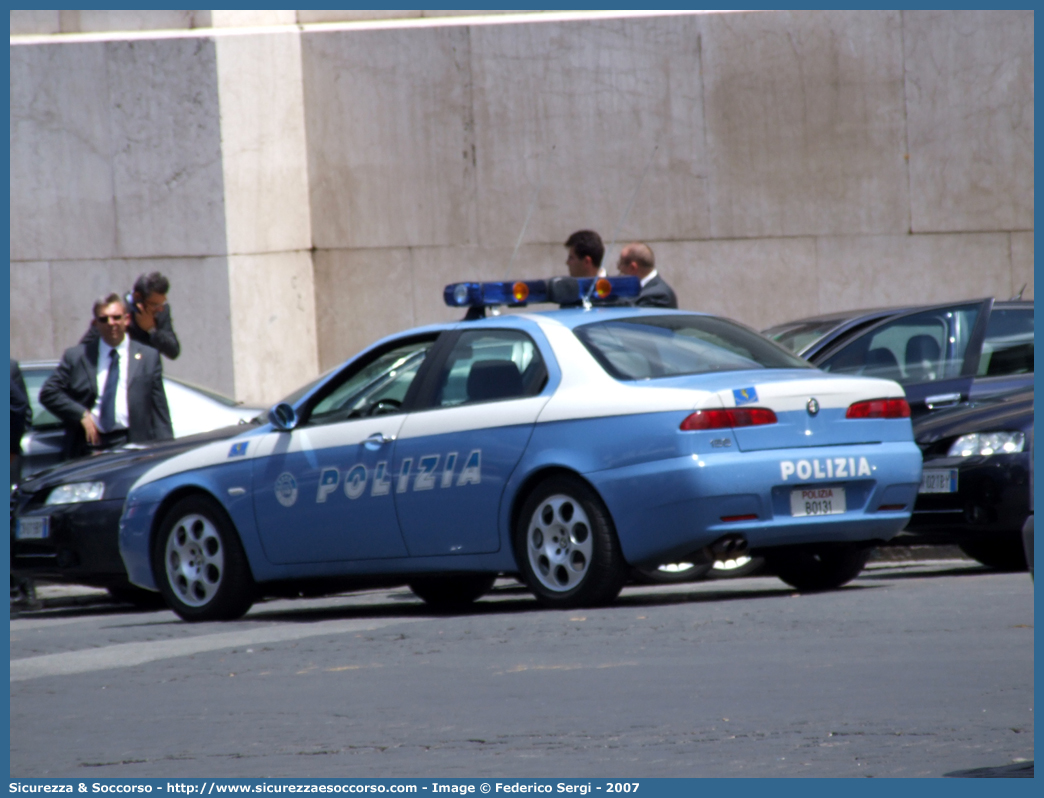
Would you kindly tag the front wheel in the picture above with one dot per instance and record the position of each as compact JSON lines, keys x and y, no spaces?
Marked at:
{"x":199,"y":564}
{"x":825,"y":569}
{"x":1004,"y":554}
{"x":566,"y":545}
{"x":452,"y":592}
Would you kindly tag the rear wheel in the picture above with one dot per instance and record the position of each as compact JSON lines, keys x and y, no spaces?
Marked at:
{"x":566,"y":545}
{"x":1003,"y":554}
{"x":452,"y":592}
{"x":199,"y":564}
{"x":825,"y":569}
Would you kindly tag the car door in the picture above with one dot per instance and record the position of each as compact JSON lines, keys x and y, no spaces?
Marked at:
{"x":456,"y":453}
{"x":323,"y":491}
{"x":1006,"y":360}
{"x":932,"y":352}
{"x":42,"y":441}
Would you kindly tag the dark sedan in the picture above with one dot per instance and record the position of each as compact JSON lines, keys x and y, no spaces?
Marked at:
{"x":975,"y":487}
{"x":75,"y":539}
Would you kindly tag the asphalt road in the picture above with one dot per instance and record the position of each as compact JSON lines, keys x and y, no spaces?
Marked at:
{"x":915,"y":669}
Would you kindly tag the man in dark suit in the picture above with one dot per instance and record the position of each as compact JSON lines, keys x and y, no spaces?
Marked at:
{"x":150,"y":321}
{"x":109,"y":391}
{"x":637,"y":260}
{"x":21,"y":419}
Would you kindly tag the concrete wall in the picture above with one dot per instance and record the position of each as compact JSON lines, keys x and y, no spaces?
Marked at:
{"x":323,"y":183}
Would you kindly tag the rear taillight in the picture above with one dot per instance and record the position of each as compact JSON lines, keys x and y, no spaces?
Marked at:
{"x":731,"y":417}
{"x":879,"y":408}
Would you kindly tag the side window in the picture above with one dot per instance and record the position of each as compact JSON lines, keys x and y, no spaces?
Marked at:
{"x":923,"y":347}
{"x":490,"y":365}
{"x":1008,"y":348}
{"x":34,"y":380}
{"x":379,"y":387}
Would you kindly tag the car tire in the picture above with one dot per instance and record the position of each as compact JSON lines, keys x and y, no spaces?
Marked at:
{"x":1003,"y":554}
{"x":736,"y":567}
{"x":566,"y":545}
{"x":671,"y":573}
{"x":138,"y":597}
{"x":452,"y":592}
{"x":825,"y":569}
{"x":199,"y":565}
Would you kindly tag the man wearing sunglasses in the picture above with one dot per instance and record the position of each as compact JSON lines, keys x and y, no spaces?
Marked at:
{"x":150,"y":321}
{"x":108,"y":391}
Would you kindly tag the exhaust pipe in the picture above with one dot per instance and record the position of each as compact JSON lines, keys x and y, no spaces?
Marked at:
{"x":728,"y":547}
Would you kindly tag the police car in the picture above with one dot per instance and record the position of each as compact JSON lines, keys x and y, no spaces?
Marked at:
{"x":563,"y":446}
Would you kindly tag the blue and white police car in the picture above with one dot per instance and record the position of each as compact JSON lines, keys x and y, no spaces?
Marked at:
{"x":562,"y":446}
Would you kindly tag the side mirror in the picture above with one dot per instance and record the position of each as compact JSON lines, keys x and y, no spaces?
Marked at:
{"x":283,"y":417}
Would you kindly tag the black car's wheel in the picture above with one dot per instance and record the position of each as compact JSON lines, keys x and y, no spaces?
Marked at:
{"x":452,"y":592}
{"x":138,"y":597}
{"x":671,"y":573}
{"x":566,"y":545}
{"x":199,"y":564}
{"x":819,"y":570}
{"x":1002,"y":554}
{"x":736,"y":567}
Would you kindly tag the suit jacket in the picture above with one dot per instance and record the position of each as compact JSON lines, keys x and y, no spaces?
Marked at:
{"x":162,"y":336}
{"x":657,"y":294}
{"x":21,"y":410}
{"x":73,"y":388}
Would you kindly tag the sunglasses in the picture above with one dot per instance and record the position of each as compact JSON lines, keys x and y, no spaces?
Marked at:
{"x":110,"y":319}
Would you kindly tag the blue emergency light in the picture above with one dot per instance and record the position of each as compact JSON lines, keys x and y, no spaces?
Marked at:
{"x":560,"y":290}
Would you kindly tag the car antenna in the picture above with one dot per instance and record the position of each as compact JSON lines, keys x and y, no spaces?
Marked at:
{"x":619,"y":224}
{"x":1018,"y":296}
{"x":529,"y":214}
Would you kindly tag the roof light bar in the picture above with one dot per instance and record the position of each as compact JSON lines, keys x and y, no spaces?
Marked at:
{"x":560,"y":290}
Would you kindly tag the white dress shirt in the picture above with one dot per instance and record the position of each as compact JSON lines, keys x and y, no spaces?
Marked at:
{"x":104,"y":359}
{"x":647,"y":278}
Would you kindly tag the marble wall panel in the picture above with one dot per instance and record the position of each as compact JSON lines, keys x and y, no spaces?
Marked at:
{"x":244,"y":18}
{"x":363,"y":295}
{"x":199,"y":304}
{"x":390,"y":143}
{"x":805,"y":123}
{"x":61,"y":153}
{"x":876,"y":271}
{"x":356,"y":15}
{"x":1022,"y":264}
{"x":166,"y":133}
{"x":593,"y":114}
{"x":29,"y":22}
{"x":758,"y":282}
{"x":92,"y":21}
{"x":263,"y":149}
{"x":32,"y":333}
{"x":360,"y":296}
{"x":969,"y":87}
{"x":273,"y":322}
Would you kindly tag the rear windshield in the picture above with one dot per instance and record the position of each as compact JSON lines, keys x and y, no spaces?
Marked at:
{"x":671,"y":346}
{"x":797,"y":337}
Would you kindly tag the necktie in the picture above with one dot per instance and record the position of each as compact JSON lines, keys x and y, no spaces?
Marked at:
{"x":108,"y":400}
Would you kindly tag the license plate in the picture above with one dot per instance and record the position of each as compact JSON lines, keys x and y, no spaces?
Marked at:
{"x":32,"y":528}
{"x":817,"y":501}
{"x":938,"y":480}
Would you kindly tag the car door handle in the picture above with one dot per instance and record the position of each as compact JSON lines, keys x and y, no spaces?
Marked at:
{"x":378,"y":439}
{"x":941,"y":400}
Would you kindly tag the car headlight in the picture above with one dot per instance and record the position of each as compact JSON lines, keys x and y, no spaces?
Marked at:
{"x":76,"y":492}
{"x":987,"y":443}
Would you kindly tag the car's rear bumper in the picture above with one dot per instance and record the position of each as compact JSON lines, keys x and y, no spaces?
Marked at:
{"x":669,"y":508}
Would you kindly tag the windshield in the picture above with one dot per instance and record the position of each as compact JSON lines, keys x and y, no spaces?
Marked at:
{"x":671,"y":346}
{"x":797,"y":337}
